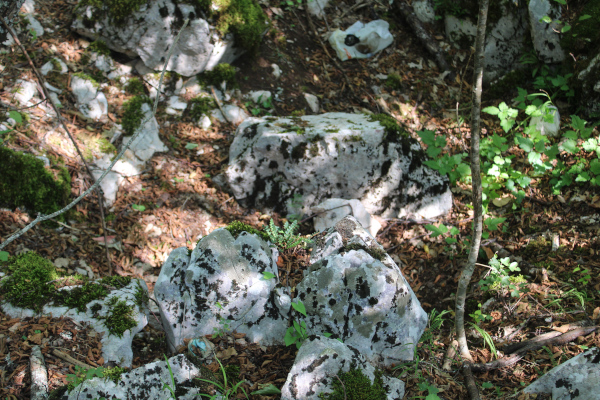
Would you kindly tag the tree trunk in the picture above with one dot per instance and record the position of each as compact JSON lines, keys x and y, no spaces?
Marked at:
{"x":465,"y":277}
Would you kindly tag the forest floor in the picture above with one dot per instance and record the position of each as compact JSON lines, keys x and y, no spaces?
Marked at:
{"x":556,"y":235}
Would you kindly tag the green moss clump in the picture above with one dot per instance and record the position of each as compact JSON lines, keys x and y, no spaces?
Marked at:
{"x":135,"y":87}
{"x":133,"y":114}
{"x":237,"y":227}
{"x":27,"y":282}
{"x":394,"y":82}
{"x":86,"y":77}
{"x":114,"y":373}
{"x":25,"y":182}
{"x":373,"y":251}
{"x":356,"y":386}
{"x":220,"y":73}
{"x":199,"y":106}
{"x":116,"y":281}
{"x":79,"y":297}
{"x":389,"y":124}
{"x":98,"y":46}
{"x":120,"y":318}
{"x":117,"y":10}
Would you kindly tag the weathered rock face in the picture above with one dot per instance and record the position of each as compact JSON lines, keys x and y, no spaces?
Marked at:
{"x":356,"y":292}
{"x":320,"y":360}
{"x":508,"y":26}
{"x":115,"y":348}
{"x":227,"y":272}
{"x":150,"y":32}
{"x":574,"y":379}
{"x":147,"y":382}
{"x":333,"y":155}
{"x":590,"y":88}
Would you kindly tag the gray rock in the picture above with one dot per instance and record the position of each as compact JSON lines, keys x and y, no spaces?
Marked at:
{"x":91,"y":102}
{"x":545,"y":37}
{"x":24,"y":91}
{"x":222,"y":284}
{"x":114,"y":348}
{"x":333,"y":155}
{"x":574,"y":379}
{"x":356,"y":292}
{"x":590,"y":87}
{"x":312,"y":101}
{"x":234,"y":114}
{"x":424,"y":10}
{"x":146,"y":382}
{"x":317,"y":7}
{"x":318,"y":364}
{"x":503,"y":40}
{"x":151,"y":31}
{"x":329,"y":212}
{"x":551,"y":129}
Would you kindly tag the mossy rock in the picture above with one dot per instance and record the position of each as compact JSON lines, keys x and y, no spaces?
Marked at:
{"x":219,"y":74}
{"x":25,"y":182}
{"x":237,"y":227}
{"x":389,"y":124}
{"x":355,"y":385}
{"x":133,"y":114}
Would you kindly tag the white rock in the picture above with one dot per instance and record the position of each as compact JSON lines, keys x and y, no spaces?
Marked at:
{"x":317,"y":7}
{"x":204,"y":122}
{"x":276,"y":71}
{"x":34,"y":24}
{"x":114,"y":348}
{"x":333,"y":155}
{"x":356,"y":292}
{"x":313,"y":102}
{"x":175,"y":106}
{"x":25,"y":90}
{"x":259,"y":96}
{"x":318,"y":365}
{"x":154,"y":26}
{"x":331,"y":211}
{"x":228,"y":271}
{"x":235,"y":114}
{"x":551,"y":129}
{"x":574,"y":379}
{"x":546,"y":39}
{"x":424,"y":10}
{"x":83,"y":89}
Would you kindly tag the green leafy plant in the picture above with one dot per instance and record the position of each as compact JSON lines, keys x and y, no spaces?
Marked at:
{"x":262,"y":107}
{"x":268,"y":275}
{"x":82,"y":374}
{"x":431,"y":390}
{"x":4,"y":255}
{"x":286,"y":237}
{"x":499,"y":276}
{"x":297,"y":333}
{"x":224,"y":322}
{"x":172,"y":386}
{"x":586,"y":275}
{"x":486,"y":338}
{"x":224,"y":391}
{"x":138,"y":207}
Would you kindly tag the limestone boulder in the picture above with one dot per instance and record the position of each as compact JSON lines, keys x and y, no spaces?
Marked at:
{"x":222,"y":286}
{"x":354,"y":291}
{"x":319,"y":363}
{"x":150,"y":32}
{"x":115,"y":347}
{"x":574,"y":379}
{"x":146,"y":382}
{"x":546,"y":40}
{"x":292,"y":164}
{"x":329,"y":212}
{"x":90,"y":101}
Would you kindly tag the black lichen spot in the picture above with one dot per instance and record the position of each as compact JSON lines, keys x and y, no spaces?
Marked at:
{"x":362,"y":288}
{"x":332,"y":302}
{"x":373,"y":301}
{"x":163,"y":11}
{"x":299,"y":151}
{"x":315,"y":364}
{"x":273,"y":164}
{"x":285,"y":145}
{"x":250,"y":131}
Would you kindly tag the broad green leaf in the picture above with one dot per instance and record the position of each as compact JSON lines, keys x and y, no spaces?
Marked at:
{"x":437,"y":230}
{"x":139,"y":208}
{"x":524,"y":143}
{"x":432,"y":164}
{"x":570,"y":135}
{"x":552,"y":152}
{"x":540,"y":146}
{"x":590,"y":145}
{"x":583,"y":177}
{"x":4,"y":256}
{"x":584,"y":17}
{"x":546,"y":19}
{"x":433,"y":151}
{"x":491,"y":110}
{"x":16,"y":116}
{"x":463,"y":170}
{"x":268,"y":275}
{"x":299,"y":306}
{"x":492,"y":223}
{"x":565,"y":28}
{"x":570,"y":146}
{"x":267,"y":390}
{"x":191,"y":146}
{"x":524,"y":181}
{"x":427,"y":136}
{"x":440,"y":141}
{"x":595,"y":166}
{"x":507,"y":124}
